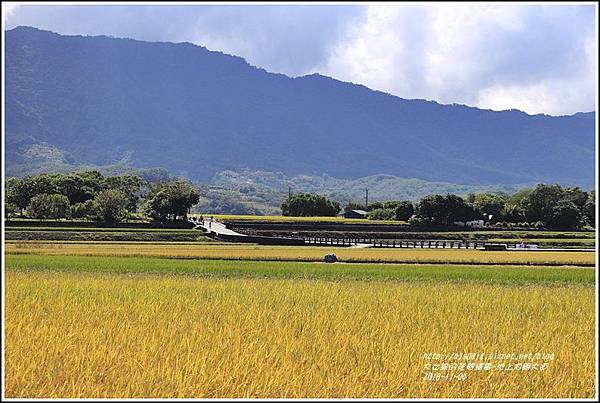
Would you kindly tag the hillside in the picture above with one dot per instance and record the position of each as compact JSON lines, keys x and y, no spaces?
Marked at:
{"x":260,"y":192}
{"x":99,"y":101}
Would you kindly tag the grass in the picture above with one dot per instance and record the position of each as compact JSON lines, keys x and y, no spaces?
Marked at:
{"x":72,"y":334}
{"x":19,"y":244}
{"x":82,"y":235}
{"x":506,"y":275}
{"x":531,"y":234}
{"x":99,"y":229}
{"x":69,"y":221}
{"x":94,"y":234}
{"x":549,"y":241}
{"x":311,"y":253}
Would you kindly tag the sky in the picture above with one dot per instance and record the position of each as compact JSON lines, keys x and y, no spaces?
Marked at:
{"x":539,"y":58}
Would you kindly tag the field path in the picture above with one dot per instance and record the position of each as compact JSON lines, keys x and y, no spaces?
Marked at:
{"x":217,"y":227}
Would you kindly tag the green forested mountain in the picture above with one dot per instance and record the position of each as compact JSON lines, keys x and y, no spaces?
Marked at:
{"x":100,"y":101}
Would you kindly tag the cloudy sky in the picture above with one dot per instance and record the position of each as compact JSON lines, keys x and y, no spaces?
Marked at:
{"x":536,"y":58}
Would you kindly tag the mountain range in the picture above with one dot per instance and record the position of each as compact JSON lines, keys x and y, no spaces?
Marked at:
{"x":81,"y":101}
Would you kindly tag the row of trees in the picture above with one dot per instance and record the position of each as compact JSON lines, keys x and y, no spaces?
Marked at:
{"x":549,"y":206}
{"x":545,"y":206}
{"x":308,"y":205}
{"x":91,"y":195}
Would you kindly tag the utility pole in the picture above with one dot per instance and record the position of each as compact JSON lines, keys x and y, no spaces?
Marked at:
{"x":366,"y":199}
{"x":290,"y":191}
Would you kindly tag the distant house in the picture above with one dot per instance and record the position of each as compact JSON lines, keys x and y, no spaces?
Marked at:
{"x":355,"y":214}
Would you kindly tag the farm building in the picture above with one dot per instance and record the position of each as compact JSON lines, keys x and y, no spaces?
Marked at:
{"x":355,"y":214}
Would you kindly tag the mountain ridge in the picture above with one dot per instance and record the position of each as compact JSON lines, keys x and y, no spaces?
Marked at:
{"x":103,"y":100}
{"x":316,"y":74}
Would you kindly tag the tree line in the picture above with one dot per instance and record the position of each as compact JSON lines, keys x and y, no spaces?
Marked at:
{"x":309,"y":205}
{"x":545,"y":206}
{"x":93,"y":196}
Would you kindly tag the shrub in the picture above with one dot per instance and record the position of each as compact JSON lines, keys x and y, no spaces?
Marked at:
{"x":417,"y":221}
{"x":382,"y":214}
{"x":9,"y":210}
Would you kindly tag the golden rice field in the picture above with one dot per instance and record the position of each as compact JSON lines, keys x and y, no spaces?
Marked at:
{"x":72,"y":334}
{"x":295,"y":253}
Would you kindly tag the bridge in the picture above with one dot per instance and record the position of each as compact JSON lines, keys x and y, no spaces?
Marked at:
{"x":218,"y":230}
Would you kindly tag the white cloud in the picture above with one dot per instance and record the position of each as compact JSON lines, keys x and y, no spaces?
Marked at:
{"x":8,"y":8}
{"x":540,"y":59}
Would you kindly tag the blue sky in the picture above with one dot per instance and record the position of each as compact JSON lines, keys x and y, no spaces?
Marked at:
{"x":537,"y":58}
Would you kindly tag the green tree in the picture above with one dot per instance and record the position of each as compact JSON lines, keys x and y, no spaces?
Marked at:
{"x":41,"y":184}
{"x":9,"y":210}
{"x":513,"y":206}
{"x":459,"y":210}
{"x":391,"y":204}
{"x":432,"y":208}
{"x":18,"y":193}
{"x":375,"y":205}
{"x":94,"y":180}
{"x":45,"y":205}
{"x":445,"y":210}
{"x":110,"y":206}
{"x":417,"y":221}
{"x":131,"y":186}
{"x":590,"y":209}
{"x":169,"y":200}
{"x":566,"y":215}
{"x":539,"y":204}
{"x":577,"y":196}
{"x":382,"y":214}
{"x":404,"y":210}
{"x":489,"y":204}
{"x":512,"y":213}
{"x":83,"y":210}
{"x":309,"y":205}
{"x":75,"y":188}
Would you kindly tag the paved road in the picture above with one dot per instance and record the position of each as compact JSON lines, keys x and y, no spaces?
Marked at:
{"x":217,"y":227}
